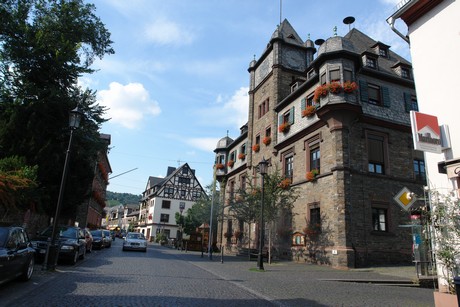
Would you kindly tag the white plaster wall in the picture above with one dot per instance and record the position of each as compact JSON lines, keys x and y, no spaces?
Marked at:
{"x":435,"y":52}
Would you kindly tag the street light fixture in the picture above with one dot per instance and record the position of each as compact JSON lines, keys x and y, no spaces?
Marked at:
{"x":74,"y":122}
{"x":262,"y":168}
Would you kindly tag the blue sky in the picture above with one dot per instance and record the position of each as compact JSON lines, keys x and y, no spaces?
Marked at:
{"x":178,"y":80}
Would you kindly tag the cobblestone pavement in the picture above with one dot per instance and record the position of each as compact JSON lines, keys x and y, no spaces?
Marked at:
{"x":168,"y":277}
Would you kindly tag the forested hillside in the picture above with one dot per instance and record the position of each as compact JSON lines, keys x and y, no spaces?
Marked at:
{"x":114,"y":198}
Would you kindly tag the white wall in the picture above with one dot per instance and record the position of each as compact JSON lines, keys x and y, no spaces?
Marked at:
{"x":435,"y":47}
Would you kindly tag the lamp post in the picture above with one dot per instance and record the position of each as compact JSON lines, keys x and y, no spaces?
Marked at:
{"x":263,"y":166}
{"x":181,"y":209}
{"x":74,"y":123}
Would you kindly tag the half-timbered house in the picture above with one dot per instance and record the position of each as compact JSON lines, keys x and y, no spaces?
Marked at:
{"x":164,"y":197}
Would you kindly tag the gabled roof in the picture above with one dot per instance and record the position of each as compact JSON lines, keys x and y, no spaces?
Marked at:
{"x":287,"y":33}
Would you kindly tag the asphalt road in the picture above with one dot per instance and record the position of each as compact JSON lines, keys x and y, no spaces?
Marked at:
{"x":168,"y":277}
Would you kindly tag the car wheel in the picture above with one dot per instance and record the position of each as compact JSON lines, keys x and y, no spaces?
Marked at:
{"x":28,"y":270}
{"x":75,"y":257}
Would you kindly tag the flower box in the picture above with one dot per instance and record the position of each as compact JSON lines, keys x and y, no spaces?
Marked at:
{"x":309,"y":111}
{"x":284,"y":127}
{"x":267,"y":140}
{"x":220,"y":166}
{"x":256,"y":147}
{"x":335,"y":87}
{"x":241,"y":156}
{"x":311,"y":175}
{"x":230,"y":163}
{"x":349,"y":87}
{"x":320,"y":91}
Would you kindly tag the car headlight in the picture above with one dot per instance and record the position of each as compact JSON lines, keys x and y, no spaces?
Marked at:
{"x":67,"y":247}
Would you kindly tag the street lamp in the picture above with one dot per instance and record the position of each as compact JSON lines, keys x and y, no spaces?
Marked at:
{"x":74,"y":123}
{"x":263,"y":166}
{"x":181,"y":209}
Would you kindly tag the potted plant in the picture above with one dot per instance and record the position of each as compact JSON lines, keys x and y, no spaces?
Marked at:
{"x":349,"y":87}
{"x":309,"y":111}
{"x":267,"y":140}
{"x":311,"y":175}
{"x":284,"y":127}
{"x":241,"y":156}
{"x":230,"y":163}
{"x":256,"y":147}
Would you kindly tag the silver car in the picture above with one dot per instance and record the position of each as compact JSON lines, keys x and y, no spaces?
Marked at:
{"x":135,"y":241}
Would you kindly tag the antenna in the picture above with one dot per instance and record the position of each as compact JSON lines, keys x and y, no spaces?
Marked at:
{"x":348,"y":21}
{"x":281,"y":10}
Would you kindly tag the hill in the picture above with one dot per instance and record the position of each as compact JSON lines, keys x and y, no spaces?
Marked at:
{"x":115,"y":199}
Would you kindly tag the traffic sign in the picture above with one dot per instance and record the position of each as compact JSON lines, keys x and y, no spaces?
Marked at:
{"x":405,"y":198}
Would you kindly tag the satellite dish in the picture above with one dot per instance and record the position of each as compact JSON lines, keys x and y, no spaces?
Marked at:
{"x":348,"y":21}
{"x":319,"y":42}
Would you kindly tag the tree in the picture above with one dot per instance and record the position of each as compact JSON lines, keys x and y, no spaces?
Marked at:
{"x":17,"y":185}
{"x":45,"y":46}
{"x":279,"y":198}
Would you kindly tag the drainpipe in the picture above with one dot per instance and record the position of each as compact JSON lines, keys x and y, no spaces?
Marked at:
{"x":391,"y":22}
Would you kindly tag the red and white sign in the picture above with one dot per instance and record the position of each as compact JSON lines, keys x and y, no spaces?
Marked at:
{"x":425,"y":132}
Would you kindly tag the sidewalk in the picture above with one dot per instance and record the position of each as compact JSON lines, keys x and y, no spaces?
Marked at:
{"x":287,"y":283}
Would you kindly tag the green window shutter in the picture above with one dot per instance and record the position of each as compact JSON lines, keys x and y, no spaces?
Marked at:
{"x":280,"y":120}
{"x":303,"y":104}
{"x":386,"y":96}
{"x":291,"y":116}
{"x":364,"y":95}
{"x":407,"y":102}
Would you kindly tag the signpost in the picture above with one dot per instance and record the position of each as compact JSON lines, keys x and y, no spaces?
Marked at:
{"x":405,"y":198}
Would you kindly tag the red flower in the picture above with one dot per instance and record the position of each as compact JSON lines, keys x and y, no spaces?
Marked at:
{"x":284,"y":127}
{"x":230,"y":163}
{"x":256,"y":147}
{"x":309,"y":111}
{"x":267,"y":140}
{"x":349,"y":87}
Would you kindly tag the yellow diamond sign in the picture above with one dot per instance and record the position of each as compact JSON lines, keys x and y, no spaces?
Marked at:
{"x":404,"y":198}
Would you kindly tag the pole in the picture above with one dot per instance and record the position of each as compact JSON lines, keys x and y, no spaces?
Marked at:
{"x":222,"y":227}
{"x":260,"y":262}
{"x":211,"y":218}
{"x":58,"y":209}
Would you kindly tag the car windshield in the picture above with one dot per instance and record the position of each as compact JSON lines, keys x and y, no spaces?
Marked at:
{"x":96,"y":233}
{"x":64,"y":232}
{"x":3,"y":236}
{"x":107,"y":233}
{"x":135,"y":236}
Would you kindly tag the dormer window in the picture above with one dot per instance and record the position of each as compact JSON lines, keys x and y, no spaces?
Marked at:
{"x":405,"y":73}
{"x":383,"y":52}
{"x":371,"y":62}
{"x":381,"y":49}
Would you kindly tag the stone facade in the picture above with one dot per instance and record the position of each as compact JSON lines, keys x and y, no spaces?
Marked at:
{"x":359,"y":141}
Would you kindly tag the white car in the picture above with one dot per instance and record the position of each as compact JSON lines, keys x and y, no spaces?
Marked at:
{"x":135,"y":241}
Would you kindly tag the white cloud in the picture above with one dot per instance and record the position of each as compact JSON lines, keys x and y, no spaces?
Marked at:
{"x":165,"y":32}
{"x":128,"y":104}
{"x":204,"y":144}
{"x":233,"y":112}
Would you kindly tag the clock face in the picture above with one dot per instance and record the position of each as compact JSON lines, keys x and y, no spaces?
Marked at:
{"x":294,"y":59}
{"x":264,"y":69}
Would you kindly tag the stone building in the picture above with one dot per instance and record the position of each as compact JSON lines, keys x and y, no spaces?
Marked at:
{"x":334,"y":120}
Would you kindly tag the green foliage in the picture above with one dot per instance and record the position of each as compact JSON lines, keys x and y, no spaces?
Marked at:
{"x":246,"y":204}
{"x":45,"y":46}
{"x":18,"y":183}
{"x":115,"y":199}
{"x":445,"y":218}
{"x":200,"y":212}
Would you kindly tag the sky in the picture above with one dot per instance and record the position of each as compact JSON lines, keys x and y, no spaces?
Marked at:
{"x":178,"y":81}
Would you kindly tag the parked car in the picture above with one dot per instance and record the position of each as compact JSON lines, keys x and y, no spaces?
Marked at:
{"x":89,"y":240}
{"x":16,"y":254}
{"x":107,"y":238}
{"x":98,"y":238}
{"x":135,"y":241}
{"x":71,"y":240}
